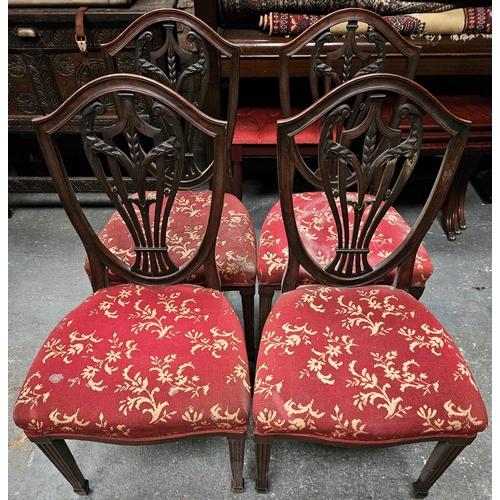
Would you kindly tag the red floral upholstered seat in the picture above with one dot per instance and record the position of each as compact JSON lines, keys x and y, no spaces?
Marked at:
{"x":317,"y":230}
{"x":236,"y":240}
{"x":346,"y":359}
{"x":92,"y":379}
{"x":147,"y":358}
{"x":370,"y":365}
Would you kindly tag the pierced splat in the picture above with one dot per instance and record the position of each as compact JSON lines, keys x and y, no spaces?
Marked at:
{"x":180,"y":52}
{"x":357,"y":214}
{"x":172,"y":65}
{"x":159,"y":55}
{"x":323,"y":65}
{"x":123,"y":151}
{"x":333,"y":64}
{"x":121,"y":156}
{"x":363,"y":167}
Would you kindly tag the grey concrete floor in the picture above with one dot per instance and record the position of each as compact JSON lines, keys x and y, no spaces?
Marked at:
{"x":46,"y":280}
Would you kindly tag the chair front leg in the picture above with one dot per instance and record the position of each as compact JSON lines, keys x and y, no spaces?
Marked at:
{"x":236,"y":458}
{"x":57,"y":451}
{"x":441,"y":458}
{"x":262,"y":457}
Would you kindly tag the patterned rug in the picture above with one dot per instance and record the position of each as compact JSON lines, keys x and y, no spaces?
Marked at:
{"x":470,"y":20}
{"x":233,"y":10}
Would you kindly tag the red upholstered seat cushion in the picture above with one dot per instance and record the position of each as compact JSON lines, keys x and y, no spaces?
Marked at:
{"x":258,"y":126}
{"x":236,"y":240}
{"x":140,"y":363}
{"x":319,"y":237}
{"x":364,"y":365}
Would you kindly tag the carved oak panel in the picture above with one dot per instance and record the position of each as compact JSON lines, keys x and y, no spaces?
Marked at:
{"x":45,"y":67}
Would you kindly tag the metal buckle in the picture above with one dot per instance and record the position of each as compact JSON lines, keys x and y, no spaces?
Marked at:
{"x":81,"y":41}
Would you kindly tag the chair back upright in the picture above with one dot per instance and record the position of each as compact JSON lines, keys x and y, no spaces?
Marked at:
{"x":387,"y":151}
{"x":121,"y":148}
{"x":183,"y":53}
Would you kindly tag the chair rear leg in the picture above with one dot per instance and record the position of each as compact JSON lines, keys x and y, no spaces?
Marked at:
{"x":236,"y":458}
{"x":417,"y":291}
{"x":248,"y":307}
{"x":262,"y":457}
{"x":441,"y":458}
{"x":236,"y":159}
{"x":266,"y":294}
{"x":57,"y":451}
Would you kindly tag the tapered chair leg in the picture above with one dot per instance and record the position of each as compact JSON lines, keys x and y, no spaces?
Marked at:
{"x":262,"y":457}
{"x":237,"y":158}
{"x":236,"y":458}
{"x":57,"y":451}
{"x":441,"y":458}
{"x":266,"y":294}
{"x":248,"y":307}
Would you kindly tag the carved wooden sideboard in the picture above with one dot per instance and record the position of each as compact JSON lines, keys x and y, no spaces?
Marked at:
{"x":45,"y":66}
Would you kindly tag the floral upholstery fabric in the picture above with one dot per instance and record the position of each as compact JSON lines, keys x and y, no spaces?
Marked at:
{"x":369,"y":365}
{"x":236,"y":240}
{"x":258,"y":126}
{"x":317,"y":229}
{"x":140,"y":363}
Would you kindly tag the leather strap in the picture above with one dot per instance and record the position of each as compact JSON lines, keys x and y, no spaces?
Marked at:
{"x":80,"y":37}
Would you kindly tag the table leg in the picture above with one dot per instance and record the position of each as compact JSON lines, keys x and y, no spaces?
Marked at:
{"x":453,"y":209}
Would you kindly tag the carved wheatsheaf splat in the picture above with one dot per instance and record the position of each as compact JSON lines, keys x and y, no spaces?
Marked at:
{"x":322,"y":65}
{"x":159,"y":55}
{"x":120,"y":151}
{"x":356,"y":215}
